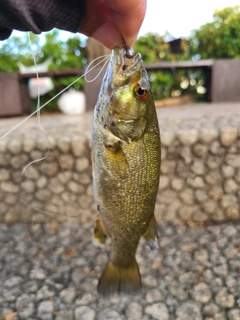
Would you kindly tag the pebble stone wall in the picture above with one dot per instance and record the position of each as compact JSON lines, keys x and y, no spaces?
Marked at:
{"x":200,"y":174}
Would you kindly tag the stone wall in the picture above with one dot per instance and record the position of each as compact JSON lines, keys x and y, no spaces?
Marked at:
{"x":200,"y":178}
{"x":58,"y":186}
{"x":200,"y":174}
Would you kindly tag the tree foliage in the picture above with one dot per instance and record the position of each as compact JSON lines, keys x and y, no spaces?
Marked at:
{"x":220,"y":38}
{"x":217,"y":39}
{"x":155,"y":48}
{"x":174,"y":83}
{"x":64,"y":54}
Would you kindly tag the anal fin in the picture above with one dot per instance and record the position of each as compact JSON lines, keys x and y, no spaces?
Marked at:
{"x":151,"y":235}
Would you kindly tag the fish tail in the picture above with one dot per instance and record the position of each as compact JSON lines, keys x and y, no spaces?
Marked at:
{"x":120,"y":279}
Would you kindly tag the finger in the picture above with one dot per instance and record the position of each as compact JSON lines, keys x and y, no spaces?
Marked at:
{"x":128,"y":16}
{"x":99,"y":24}
{"x":108,"y":21}
{"x":108,"y":35}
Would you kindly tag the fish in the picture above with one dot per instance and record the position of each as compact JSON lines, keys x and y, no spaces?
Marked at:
{"x":126,"y":153}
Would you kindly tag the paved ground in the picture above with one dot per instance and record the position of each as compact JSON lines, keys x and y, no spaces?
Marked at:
{"x":51,"y":271}
{"x":166,"y":115}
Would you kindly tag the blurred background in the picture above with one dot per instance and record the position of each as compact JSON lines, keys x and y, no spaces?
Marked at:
{"x":171,"y":32}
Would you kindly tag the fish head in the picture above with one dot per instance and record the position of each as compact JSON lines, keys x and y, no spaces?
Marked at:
{"x":126,"y":96}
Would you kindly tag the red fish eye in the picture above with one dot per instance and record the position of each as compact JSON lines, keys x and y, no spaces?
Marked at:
{"x":141,"y":93}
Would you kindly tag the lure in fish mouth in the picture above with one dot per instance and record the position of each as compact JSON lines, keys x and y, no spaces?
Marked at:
{"x":126,"y":167}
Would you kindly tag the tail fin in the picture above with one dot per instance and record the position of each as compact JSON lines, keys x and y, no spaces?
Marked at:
{"x":120,"y":280}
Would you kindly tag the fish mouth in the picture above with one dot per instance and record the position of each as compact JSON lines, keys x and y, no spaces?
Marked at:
{"x":124,"y":63}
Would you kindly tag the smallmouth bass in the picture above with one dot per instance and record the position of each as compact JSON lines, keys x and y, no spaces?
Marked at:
{"x":126,"y":168}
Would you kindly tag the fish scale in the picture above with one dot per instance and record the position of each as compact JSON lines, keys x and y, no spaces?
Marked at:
{"x":126,"y":168}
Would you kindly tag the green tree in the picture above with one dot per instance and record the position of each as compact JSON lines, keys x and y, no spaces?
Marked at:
{"x":164,"y":84}
{"x":155,"y":48}
{"x":217,"y":39}
{"x":64,"y":54}
{"x":220,"y":38}
{"x":17,"y":49}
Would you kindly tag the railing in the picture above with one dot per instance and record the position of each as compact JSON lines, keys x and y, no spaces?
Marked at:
{"x":222,"y":80}
{"x":92,"y":89}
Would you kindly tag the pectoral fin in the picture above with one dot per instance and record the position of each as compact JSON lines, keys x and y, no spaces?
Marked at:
{"x":151,"y":234}
{"x":116,"y":155}
{"x":99,"y":233}
{"x":112,"y":143}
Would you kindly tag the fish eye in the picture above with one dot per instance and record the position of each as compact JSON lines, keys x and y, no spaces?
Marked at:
{"x":141,"y":93}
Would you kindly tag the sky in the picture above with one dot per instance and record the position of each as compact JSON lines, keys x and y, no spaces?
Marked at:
{"x":178,"y":17}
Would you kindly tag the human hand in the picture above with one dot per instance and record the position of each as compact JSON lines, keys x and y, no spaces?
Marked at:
{"x":108,"y":21}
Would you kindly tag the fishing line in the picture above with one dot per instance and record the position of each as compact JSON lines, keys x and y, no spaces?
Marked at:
{"x":38,"y":110}
{"x":107,"y":57}
{"x":38,"y":82}
{"x":102,"y":59}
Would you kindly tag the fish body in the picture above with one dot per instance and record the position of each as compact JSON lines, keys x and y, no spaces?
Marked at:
{"x":126,"y":167}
